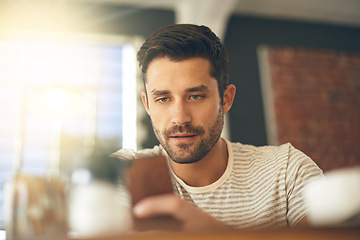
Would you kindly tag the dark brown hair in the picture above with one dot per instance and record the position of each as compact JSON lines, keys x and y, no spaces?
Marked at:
{"x":182,"y":41}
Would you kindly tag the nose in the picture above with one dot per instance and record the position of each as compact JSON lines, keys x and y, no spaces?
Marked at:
{"x":180,"y":113}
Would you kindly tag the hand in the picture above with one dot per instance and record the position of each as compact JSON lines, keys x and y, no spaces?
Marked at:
{"x":193,"y":218}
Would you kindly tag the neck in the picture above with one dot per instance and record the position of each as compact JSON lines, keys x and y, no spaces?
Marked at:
{"x":210,"y":168}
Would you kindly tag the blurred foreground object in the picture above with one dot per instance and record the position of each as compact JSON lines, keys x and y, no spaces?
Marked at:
{"x":97,"y":207}
{"x":35,"y":207}
{"x":334,"y":200}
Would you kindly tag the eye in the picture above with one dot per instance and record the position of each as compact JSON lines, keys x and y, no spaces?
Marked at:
{"x":162,"y":100}
{"x":196,"y":97}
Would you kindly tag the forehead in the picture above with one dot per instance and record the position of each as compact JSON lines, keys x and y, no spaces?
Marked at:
{"x":166,"y":74}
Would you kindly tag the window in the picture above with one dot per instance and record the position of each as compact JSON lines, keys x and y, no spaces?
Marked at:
{"x":60,"y":95}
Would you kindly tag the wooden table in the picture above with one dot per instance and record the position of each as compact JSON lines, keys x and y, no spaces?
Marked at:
{"x":291,"y":234}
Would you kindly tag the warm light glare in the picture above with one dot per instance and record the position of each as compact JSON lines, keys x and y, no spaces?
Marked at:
{"x":40,"y":16}
{"x":129,"y":98}
{"x":61,"y":95}
{"x":57,"y":99}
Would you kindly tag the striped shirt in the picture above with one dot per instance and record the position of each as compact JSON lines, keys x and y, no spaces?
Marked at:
{"x":260,"y":188}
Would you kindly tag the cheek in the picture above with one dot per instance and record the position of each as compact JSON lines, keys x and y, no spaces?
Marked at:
{"x":207,"y":114}
{"x":202,"y":114}
{"x":158,"y":118}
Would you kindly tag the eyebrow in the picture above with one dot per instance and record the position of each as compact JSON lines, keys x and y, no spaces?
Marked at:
{"x":159,"y":92}
{"x":201,"y":88}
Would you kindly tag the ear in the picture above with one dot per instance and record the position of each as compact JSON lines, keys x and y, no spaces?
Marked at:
{"x":145,"y":101}
{"x":228,"y":98}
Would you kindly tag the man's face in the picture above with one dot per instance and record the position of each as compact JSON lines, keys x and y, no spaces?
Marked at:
{"x":184,"y":106}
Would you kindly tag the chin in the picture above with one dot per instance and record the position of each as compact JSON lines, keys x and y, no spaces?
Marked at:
{"x":184,"y":161}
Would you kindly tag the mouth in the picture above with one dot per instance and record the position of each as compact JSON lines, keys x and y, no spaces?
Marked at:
{"x":183,"y":136}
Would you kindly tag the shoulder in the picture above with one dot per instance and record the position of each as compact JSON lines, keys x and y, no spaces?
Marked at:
{"x":247,"y":150}
{"x":130,"y":154}
{"x":285,"y":155}
{"x":286,"y":149}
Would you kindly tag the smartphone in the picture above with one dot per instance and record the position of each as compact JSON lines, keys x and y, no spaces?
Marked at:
{"x":150,"y":176}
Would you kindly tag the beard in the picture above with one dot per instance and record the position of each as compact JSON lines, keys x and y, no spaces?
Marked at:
{"x":191,"y":153}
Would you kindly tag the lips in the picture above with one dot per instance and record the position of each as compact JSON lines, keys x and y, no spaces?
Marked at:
{"x":183,"y":138}
{"x":186,"y":131}
{"x":182,"y":135}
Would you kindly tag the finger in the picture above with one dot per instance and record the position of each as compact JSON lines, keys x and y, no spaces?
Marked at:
{"x":166,"y":204}
{"x":169,"y":204}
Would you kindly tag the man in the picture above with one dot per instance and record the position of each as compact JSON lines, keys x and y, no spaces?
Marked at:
{"x":218,"y":183}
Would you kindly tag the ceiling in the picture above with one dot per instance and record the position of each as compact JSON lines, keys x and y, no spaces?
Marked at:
{"x":343,"y":12}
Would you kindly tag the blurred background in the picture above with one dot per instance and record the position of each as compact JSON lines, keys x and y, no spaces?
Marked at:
{"x":69,"y":80}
